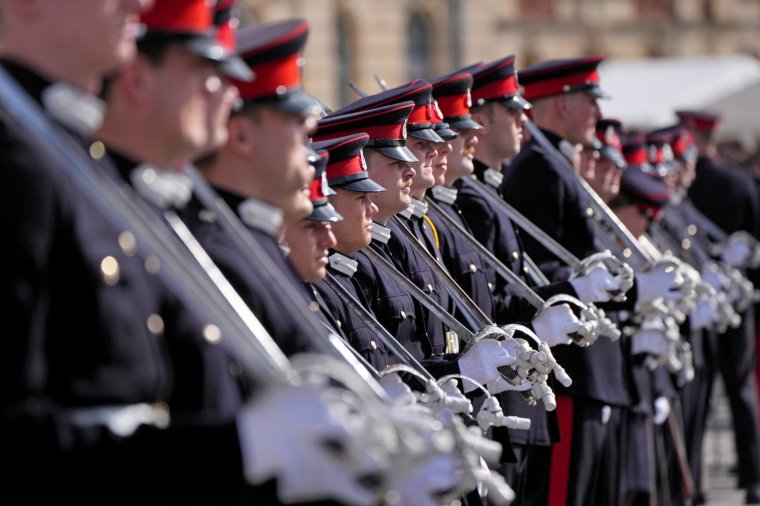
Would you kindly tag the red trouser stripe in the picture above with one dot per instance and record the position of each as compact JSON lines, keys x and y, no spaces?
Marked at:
{"x":560,"y":468}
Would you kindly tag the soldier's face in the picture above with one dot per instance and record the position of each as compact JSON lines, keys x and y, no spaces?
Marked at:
{"x":606,"y":180}
{"x":185,"y":92}
{"x":441,"y":162}
{"x":309,"y":242}
{"x":425,"y":152}
{"x":95,"y":35}
{"x":396,"y":177}
{"x":277,"y":157}
{"x":582,"y":113}
{"x":506,"y":130}
{"x":462,"y":155}
{"x":354,"y":231}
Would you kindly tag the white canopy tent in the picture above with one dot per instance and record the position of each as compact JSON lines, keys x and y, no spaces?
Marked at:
{"x":645,"y":93}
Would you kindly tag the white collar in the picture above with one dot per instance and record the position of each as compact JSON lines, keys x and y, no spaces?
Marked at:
{"x":444,"y":194}
{"x":261,"y":215}
{"x":380,"y":233}
{"x":343,"y":264}
{"x":74,"y":108}
{"x":165,"y":188}
{"x":417,"y":209}
{"x":493,"y":177}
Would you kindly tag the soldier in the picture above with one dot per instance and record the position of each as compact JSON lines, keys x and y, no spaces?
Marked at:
{"x":261,"y":172}
{"x":734,"y":354}
{"x":610,"y":164}
{"x":347,"y":176}
{"x":640,"y":200}
{"x":388,"y":165}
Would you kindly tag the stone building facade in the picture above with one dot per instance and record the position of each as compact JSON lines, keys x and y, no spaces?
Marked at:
{"x":397,"y":40}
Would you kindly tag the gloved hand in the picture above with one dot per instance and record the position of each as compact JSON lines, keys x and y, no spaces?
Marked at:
{"x":502,"y":385}
{"x":661,"y":410}
{"x":650,"y":341}
{"x":482,"y":360}
{"x":436,"y":477}
{"x":490,"y":413}
{"x":398,"y":391}
{"x":706,"y":314}
{"x":597,"y":285}
{"x":737,"y":253}
{"x":454,"y":399}
{"x":662,"y":280}
{"x":554,"y":324}
{"x":283,"y":433}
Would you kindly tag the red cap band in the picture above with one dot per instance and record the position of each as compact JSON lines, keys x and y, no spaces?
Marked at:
{"x":193,"y":16}
{"x":559,"y":85}
{"x":270,"y":77}
{"x":345,"y":168}
{"x":496,"y":89}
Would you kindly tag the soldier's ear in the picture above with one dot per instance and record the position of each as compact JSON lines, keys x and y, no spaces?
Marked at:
{"x":240,"y":135}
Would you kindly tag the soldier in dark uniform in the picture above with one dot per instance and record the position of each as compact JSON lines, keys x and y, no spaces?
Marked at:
{"x":421,"y":142}
{"x":388,"y":162}
{"x":260,"y":173}
{"x":734,"y":354}
{"x":550,"y":197}
{"x":347,"y":176}
{"x":635,"y":463}
{"x":89,"y":375}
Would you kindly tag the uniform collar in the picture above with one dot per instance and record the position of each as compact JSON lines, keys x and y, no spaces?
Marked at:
{"x":487,"y":175}
{"x":343,"y":264}
{"x":73,"y":108}
{"x":163,"y":188}
{"x":417,"y":209}
{"x":261,"y":215}
{"x":444,"y":194}
{"x":380,"y":233}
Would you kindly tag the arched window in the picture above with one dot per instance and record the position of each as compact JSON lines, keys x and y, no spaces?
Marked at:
{"x":418,"y":47}
{"x":345,"y":59}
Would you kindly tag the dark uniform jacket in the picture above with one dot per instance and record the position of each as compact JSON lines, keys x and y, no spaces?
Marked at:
{"x":238,"y":267}
{"x":395,"y":308}
{"x":356,"y":331}
{"x":548,"y":195}
{"x":85,"y":327}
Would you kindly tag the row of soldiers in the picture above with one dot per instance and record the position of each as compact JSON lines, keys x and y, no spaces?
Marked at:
{"x":452,"y":291}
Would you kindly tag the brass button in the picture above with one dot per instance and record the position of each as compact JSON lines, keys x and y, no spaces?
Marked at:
{"x":109,"y":270}
{"x":373,"y":344}
{"x":314,"y":306}
{"x":155,"y":324}
{"x":152,"y":264}
{"x":589,"y":212}
{"x":128,"y":243}
{"x":490,"y":286}
{"x":97,"y":150}
{"x":473,"y":268}
{"x":430,"y":288}
{"x":403,"y":314}
{"x":338,"y":323}
{"x":212,"y":333}
{"x":515,"y":255}
{"x":691,"y":229}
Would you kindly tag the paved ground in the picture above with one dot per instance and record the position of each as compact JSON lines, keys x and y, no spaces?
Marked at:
{"x":719,"y":455}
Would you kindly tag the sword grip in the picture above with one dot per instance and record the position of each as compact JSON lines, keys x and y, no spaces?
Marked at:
{"x":511,"y":376}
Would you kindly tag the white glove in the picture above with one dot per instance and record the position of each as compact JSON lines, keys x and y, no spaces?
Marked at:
{"x":555,"y":324}
{"x":424,"y":485}
{"x":454,"y":399}
{"x":737,"y":253}
{"x":283,"y":434}
{"x":661,"y":410}
{"x":502,"y":385}
{"x":398,"y":391}
{"x":490,"y":413}
{"x":598,"y":285}
{"x":651,"y":341}
{"x":660,"y":281}
{"x":481,"y":362}
{"x":706,"y":314}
